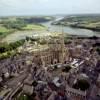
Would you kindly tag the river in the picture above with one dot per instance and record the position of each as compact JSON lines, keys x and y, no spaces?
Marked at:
{"x":51,"y":28}
{"x":70,"y":30}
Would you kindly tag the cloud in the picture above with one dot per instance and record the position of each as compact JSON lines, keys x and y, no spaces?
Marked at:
{"x":48,"y":6}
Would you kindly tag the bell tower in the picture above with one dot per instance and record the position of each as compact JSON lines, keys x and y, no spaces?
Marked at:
{"x":57,"y":47}
{"x":62,"y":48}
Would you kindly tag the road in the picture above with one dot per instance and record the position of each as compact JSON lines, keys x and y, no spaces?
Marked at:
{"x":15,"y":84}
{"x":15,"y":81}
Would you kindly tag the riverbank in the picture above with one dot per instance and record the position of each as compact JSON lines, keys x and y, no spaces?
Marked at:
{"x":70,"y":30}
{"x":83,"y":27}
{"x":26,"y":31}
{"x":10,"y":25}
{"x":78,"y":27}
{"x":81,"y":22}
{"x":44,"y":28}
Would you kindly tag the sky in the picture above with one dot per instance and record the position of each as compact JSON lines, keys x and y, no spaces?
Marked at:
{"x":48,"y":7}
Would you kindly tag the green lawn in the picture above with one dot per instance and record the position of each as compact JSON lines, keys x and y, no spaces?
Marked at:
{"x":3,"y":29}
{"x":34,"y":27}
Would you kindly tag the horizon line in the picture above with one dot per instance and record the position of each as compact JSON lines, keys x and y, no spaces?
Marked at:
{"x":22,"y":15}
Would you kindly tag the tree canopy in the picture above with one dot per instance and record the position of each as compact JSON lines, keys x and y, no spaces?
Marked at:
{"x":81,"y":84}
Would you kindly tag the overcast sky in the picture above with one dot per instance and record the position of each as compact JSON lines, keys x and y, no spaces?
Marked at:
{"x":38,"y":7}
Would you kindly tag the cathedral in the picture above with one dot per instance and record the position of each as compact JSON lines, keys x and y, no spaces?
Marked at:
{"x":56,"y":53}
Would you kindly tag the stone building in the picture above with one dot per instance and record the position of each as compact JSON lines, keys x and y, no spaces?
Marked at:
{"x":55,"y":53}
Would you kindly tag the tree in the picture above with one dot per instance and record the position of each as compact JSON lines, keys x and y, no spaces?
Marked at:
{"x":35,"y":83}
{"x":55,"y":67}
{"x":42,"y":42}
{"x":81,"y":84}
{"x":67,"y":40}
{"x":66,"y":69}
{"x":98,"y":50}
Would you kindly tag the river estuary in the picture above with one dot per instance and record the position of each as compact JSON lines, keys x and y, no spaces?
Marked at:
{"x":70,"y":30}
{"x":51,"y":28}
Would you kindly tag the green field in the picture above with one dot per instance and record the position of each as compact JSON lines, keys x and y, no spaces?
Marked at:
{"x":34,"y":27}
{"x":85,"y":22}
{"x":4,"y":31}
{"x":13,"y":24}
